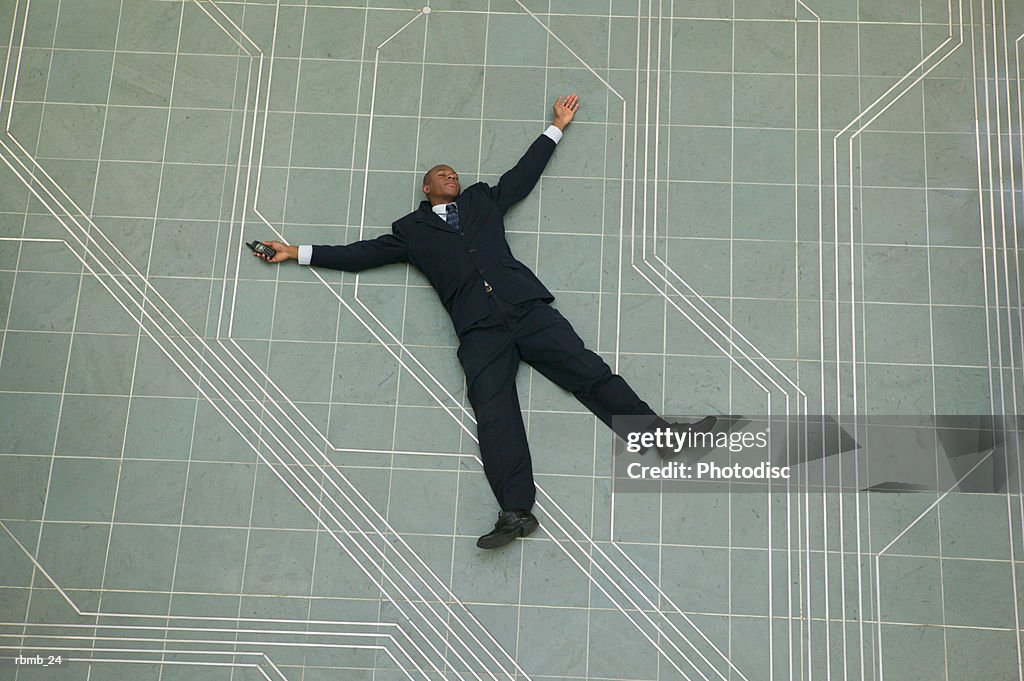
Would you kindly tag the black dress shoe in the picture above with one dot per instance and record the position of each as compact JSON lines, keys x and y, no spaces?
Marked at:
{"x":705,"y":425}
{"x":511,"y":524}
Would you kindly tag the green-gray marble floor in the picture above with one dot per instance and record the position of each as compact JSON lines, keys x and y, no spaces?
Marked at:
{"x":214,"y":468}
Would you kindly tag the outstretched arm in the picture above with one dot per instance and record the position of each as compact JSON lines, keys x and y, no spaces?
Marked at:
{"x":353,"y":257}
{"x":518,"y":182}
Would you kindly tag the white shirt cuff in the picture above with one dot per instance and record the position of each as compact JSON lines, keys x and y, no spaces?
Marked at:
{"x":554,"y":133}
{"x":305,"y":254}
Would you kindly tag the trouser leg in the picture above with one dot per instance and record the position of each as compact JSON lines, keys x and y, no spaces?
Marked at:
{"x":548,"y":342}
{"x":490,"y":359}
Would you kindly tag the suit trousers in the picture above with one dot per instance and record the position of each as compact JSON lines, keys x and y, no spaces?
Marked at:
{"x":490,"y":351}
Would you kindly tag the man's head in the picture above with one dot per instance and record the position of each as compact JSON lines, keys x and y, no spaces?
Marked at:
{"x":441,"y":184}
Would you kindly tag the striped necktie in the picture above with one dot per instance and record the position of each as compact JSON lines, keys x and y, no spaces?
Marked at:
{"x":451,"y":215}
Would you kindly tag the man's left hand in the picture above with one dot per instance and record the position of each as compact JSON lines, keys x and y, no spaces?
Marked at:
{"x":565,"y":108}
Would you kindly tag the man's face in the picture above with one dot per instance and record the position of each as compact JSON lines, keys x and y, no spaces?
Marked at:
{"x":442,"y":184}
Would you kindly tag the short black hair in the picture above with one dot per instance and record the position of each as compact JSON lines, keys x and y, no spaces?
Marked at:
{"x":426,"y":175}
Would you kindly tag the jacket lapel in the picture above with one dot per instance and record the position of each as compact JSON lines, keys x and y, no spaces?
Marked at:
{"x":428,"y":217}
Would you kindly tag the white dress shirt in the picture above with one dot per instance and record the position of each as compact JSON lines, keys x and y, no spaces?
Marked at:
{"x":306,"y":252}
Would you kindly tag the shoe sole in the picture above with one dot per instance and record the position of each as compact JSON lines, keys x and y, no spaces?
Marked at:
{"x":705,"y":425}
{"x":496,"y":542}
{"x":529,"y":528}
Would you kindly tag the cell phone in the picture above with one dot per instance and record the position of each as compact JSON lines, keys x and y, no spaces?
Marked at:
{"x":262,"y":249}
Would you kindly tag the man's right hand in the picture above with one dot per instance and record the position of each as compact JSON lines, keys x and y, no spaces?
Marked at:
{"x":282,"y":252}
{"x":565,"y":108}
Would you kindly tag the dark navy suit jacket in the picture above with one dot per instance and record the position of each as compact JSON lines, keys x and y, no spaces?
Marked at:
{"x":458,"y":264}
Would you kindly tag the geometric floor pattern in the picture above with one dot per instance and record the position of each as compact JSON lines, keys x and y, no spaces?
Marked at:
{"x":214,"y":468}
